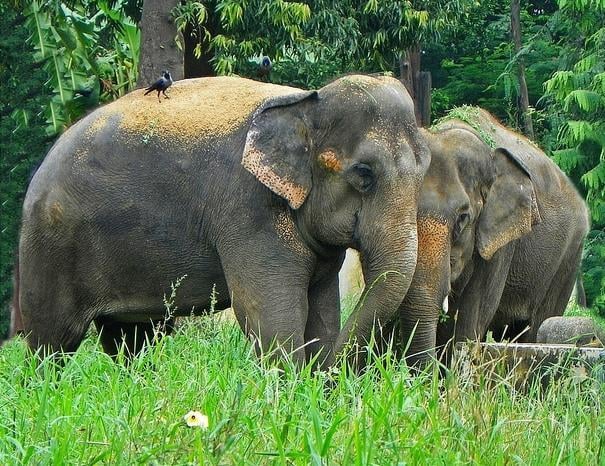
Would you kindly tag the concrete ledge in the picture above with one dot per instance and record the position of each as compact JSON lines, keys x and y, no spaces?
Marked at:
{"x":523,"y":363}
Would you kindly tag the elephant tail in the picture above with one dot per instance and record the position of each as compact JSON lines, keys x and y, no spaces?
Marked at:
{"x":16,"y":321}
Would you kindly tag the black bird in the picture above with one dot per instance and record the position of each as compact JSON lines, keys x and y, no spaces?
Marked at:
{"x":264,"y":68}
{"x":161,"y":85}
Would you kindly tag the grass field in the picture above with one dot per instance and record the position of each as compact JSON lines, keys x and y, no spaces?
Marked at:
{"x":94,"y":411}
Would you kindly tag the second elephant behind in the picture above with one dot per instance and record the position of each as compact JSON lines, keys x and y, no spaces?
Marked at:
{"x":500,"y":231}
{"x":500,"y":236}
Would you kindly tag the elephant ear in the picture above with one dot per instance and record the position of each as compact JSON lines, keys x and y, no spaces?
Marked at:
{"x":278,"y":146}
{"x":510,"y":208}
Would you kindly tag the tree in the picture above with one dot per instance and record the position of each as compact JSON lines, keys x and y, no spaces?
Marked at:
{"x":475,"y":62}
{"x":23,"y":139}
{"x":89,"y":50}
{"x":221,"y":36}
{"x":523,"y":100}
{"x":159,"y":49}
{"x":575,"y":96}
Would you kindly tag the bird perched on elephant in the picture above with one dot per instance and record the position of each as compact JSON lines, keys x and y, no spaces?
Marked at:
{"x":500,"y":232}
{"x":161,"y":85}
{"x":249,"y":190}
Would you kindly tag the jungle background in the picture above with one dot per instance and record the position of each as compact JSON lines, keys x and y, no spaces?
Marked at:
{"x":59,"y":59}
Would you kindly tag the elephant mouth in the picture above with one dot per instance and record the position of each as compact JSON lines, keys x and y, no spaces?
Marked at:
{"x":455,"y":268}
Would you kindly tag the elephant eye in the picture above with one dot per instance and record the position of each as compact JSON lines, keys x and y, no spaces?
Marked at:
{"x":461,"y":223}
{"x":361,"y":176}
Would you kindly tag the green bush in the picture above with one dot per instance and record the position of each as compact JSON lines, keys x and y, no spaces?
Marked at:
{"x":22,"y":138}
{"x":575,"y":96}
{"x":90,"y":52}
{"x":594,"y":271}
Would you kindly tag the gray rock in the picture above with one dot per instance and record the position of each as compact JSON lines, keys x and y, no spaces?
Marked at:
{"x":579,"y":331}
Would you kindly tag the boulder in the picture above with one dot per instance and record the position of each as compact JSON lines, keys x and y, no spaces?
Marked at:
{"x":579,"y":331}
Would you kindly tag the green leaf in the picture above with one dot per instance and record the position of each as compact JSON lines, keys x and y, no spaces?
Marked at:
{"x":567,"y":159}
{"x":579,"y":131}
{"x":587,"y":101}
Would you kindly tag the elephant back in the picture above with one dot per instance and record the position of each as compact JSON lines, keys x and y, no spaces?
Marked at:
{"x":197,"y":110}
{"x":485,"y":126}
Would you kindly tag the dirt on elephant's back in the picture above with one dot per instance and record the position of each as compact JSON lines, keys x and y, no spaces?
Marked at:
{"x":197,"y":109}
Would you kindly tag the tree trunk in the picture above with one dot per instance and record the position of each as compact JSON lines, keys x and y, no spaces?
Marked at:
{"x":423,"y":99}
{"x":158,"y":47}
{"x":417,"y":83}
{"x":523,"y":101}
{"x":409,"y":68}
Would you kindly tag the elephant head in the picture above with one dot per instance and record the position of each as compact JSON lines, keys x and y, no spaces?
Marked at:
{"x":475,"y":200}
{"x":346,"y":158}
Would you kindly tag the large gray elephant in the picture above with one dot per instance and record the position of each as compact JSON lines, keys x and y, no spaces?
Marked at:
{"x":500,"y":231}
{"x":249,"y":189}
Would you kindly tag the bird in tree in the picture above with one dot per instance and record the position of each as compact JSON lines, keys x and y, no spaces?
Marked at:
{"x":161,"y":85}
{"x":265,"y":68}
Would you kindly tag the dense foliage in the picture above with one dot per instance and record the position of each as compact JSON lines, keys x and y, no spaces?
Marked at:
{"x":575,"y":107}
{"x":57,"y":61}
{"x":82,"y":52}
{"x":311,"y":42}
{"x":90,"y":51}
{"x":473,"y":63}
{"x":22,"y":136}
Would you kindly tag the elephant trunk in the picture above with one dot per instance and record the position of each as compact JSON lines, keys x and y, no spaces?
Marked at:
{"x":420,"y":310}
{"x":417,"y":324}
{"x":388,"y":257}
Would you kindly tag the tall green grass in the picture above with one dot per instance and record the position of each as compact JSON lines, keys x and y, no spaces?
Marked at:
{"x":94,"y":411}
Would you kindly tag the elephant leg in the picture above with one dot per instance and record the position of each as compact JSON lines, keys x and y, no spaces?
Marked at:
{"x":481,"y":298}
{"x":323,"y":320}
{"x":557,"y":297}
{"x":54,"y":320}
{"x":55,"y":334}
{"x":133,"y":335}
{"x":271,"y":308}
{"x":474,"y":307}
{"x":276,"y":326}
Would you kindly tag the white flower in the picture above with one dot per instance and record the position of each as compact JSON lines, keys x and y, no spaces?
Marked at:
{"x":196,"y":419}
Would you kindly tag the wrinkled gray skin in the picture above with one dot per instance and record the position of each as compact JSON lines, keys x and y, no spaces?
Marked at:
{"x":263,"y":212}
{"x":579,"y":331}
{"x":499,"y":231}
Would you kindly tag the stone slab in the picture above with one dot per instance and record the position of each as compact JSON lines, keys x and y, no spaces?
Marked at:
{"x":523,"y":363}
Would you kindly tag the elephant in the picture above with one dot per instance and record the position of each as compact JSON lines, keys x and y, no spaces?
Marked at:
{"x":246,"y":193}
{"x":500,"y":236}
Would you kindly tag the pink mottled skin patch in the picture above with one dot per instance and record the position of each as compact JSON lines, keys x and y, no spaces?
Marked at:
{"x":292,"y":192}
{"x":285,"y":228}
{"x":433,"y":238}
{"x":330,"y":161}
